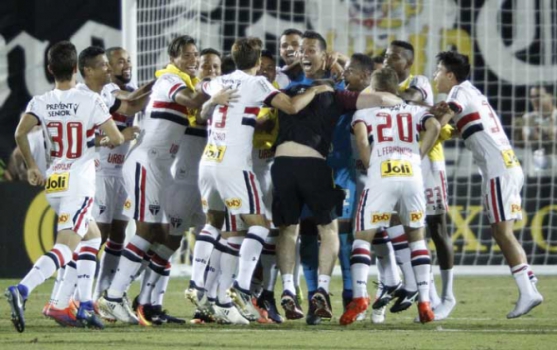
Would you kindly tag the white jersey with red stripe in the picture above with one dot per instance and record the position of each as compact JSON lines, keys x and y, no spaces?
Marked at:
{"x":395,"y":155}
{"x":165,"y":120}
{"x":110,"y":160}
{"x":69,"y":119}
{"x":420,"y":83}
{"x":230,"y":140}
{"x":481,"y":130}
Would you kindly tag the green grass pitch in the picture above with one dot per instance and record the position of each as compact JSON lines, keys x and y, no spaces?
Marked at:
{"x":478,"y":322}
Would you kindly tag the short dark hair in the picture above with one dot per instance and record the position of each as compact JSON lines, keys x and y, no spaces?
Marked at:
{"x":113,"y":49}
{"x":378,"y":59}
{"x":310,"y":34}
{"x":291,"y":31}
{"x":268,"y":54}
{"x":62,"y":60}
{"x":209,"y":51}
{"x":385,"y":79}
{"x":246,"y":52}
{"x":363,"y":61}
{"x":403,"y":44}
{"x":227,"y":65}
{"x":176,"y":44}
{"x":87,"y":55}
{"x":455,"y":63}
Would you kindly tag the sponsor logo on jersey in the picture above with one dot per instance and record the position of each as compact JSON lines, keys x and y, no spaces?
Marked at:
{"x":515,"y":208}
{"x":416,"y":216}
{"x":115,"y":158}
{"x":63,"y":218}
{"x":391,"y":168}
{"x":154,"y":208}
{"x":510,"y":158}
{"x":58,"y":182}
{"x":380,"y":217}
{"x":233,"y":203}
{"x":214,"y":153}
{"x":128,"y":204}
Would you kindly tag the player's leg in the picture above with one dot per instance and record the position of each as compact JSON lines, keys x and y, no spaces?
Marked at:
{"x":503,"y":203}
{"x":309,"y":260}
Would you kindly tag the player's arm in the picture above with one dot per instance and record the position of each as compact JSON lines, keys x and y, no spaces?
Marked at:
{"x":113,"y":136}
{"x":412,"y":94}
{"x":133,"y":102}
{"x":295,"y":104}
{"x":124,"y":95}
{"x":223,"y":98}
{"x":429,"y":137}
{"x":362,"y":142}
{"x":26,"y":124}
{"x":190,"y":99}
{"x":375,"y":99}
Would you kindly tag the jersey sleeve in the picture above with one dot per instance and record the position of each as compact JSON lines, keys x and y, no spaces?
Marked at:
{"x":423,"y":85}
{"x":100,"y":113}
{"x":421,"y":117}
{"x":171,"y":84}
{"x":33,"y":109}
{"x":211,"y":87}
{"x":456,"y":99}
{"x":359,"y":117}
{"x":347,"y":99}
{"x":112,"y":102}
{"x":264,"y":91}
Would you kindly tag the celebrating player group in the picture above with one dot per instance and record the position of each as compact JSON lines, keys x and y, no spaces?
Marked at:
{"x":242,"y":153}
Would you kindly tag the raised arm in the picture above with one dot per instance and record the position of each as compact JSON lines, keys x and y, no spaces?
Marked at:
{"x":375,"y":99}
{"x":26,"y":124}
{"x":295,"y":104}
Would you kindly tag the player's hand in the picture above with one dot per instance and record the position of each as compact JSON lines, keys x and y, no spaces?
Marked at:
{"x":225,"y":97}
{"x":131,"y":133}
{"x":319,"y":89}
{"x":35,"y":177}
{"x":440,"y":109}
{"x":330,"y":59}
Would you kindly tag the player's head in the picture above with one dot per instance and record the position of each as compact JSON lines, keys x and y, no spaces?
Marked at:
{"x":62,"y":61}
{"x":209,"y":63}
{"x":228,"y":66}
{"x":378,"y":62}
{"x":93,"y":65}
{"x":246,"y":53}
{"x":357,"y":72}
{"x":452,"y":69}
{"x":541,"y":98}
{"x":400,"y":57}
{"x":385,"y":79}
{"x":121,"y":64}
{"x":290,"y":43}
{"x":313,"y":51}
{"x":268,"y":67}
{"x":183,"y":54}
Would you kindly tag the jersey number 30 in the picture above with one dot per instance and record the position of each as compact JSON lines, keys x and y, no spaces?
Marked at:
{"x":73,"y":137}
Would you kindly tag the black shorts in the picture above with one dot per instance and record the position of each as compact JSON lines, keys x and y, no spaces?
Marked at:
{"x":304,"y":180}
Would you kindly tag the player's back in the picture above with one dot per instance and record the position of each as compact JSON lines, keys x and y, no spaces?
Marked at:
{"x":394,"y":130}
{"x":481,"y":131}
{"x":230,"y":140}
{"x":70,"y":118}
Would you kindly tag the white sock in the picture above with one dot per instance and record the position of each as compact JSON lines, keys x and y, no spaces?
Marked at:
{"x":323,"y":282}
{"x":68,"y":285}
{"x":228,"y":267}
{"x":402,"y":254}
{"x":269,"y":263}
{"x":45,"y":267}
{"x":57,"y":284}
{"x":288,"y":283}
{"x":421,"y":263}
{"x":156,"y":269}
{"x":86,"y":268}
{"x":433,"y":296}
{"x":360,"y":260}
{"x":204,"y":245}
{"x":249,"y":254}
{"x":385,"y":253}
{"x":520,"y":274}
{"x":157,"y":295}
{"x":447,"y":279}
{"x":213,"y":270}
{"x":108,"y":266}
{"x":129,"y":265}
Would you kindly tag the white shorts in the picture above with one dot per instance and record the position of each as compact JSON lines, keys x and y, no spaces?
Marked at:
{"x":380,"y":198}
{"x":233,"y":223}
{"x":145,"y":181}
{"x":262,"y":162}
{"x":234,"y":189}
{"x":183,"y":208}
{"x":73,"y":213}
{"x":502,"y":197}
{"x":435,"y":184}
{"x":110,"y":197}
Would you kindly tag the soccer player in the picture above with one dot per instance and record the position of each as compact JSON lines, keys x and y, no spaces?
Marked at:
{"x":146,"y":173}
{"x":400,"y":57}
{"x":226,"y":178}
{"x":394,"y":179}
{"x":69,"y":117}
{"x":502,"y":174}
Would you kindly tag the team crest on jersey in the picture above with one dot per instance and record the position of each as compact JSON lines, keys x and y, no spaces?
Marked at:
{"x":154,"y":208}
{"x":175,"y":222}
{"x":128,"y":204}
{"x":380,"y":217}
{"x":102,"y":208}
{"x":63,"y":218}
{"x":416,"y":216}
{"x":233,"y":203}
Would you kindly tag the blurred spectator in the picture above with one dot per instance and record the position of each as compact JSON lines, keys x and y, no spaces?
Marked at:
{"x":377,"y":62}
{"x":540,"y":126}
